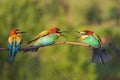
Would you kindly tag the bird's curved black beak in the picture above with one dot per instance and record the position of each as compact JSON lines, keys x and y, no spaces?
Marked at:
{"x":20,"y":32}
{"x":63,"y":35}
{"x":81,"y":33}
{"x":77,"y":36}
{"x":77,"y":31}
{"x":60,"y":32}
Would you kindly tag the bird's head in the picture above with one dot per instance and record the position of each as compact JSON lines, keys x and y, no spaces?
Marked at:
{"x":86,"y":32}
{"x":53,"y":30}
{"x":56,"y":31}
{"x":16,"y":32}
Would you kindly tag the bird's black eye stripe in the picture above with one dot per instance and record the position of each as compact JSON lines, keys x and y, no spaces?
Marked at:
{"x":59,"y":32}
{"x":83,"y":34}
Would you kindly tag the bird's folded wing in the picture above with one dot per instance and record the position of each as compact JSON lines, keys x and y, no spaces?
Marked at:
{"x":41,"y":34}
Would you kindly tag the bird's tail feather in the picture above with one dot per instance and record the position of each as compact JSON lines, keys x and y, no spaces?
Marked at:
{"x":100,"y":56}
{"x":33,"y":40}
{"x":11,"y":59}
{"x":13,"y":52}
{"x":31,"y":49}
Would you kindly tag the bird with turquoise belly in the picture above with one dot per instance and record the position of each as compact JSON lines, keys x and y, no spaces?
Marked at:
{"x":99,"y":53}
{"x":44,"y":38}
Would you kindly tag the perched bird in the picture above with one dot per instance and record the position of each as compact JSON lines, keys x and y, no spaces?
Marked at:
{"x":14,"y":42}
{"x":99,"y":53}
{"x":44,"y":38}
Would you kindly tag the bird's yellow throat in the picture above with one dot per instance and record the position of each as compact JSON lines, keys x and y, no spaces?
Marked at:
{"x":83,"y":37}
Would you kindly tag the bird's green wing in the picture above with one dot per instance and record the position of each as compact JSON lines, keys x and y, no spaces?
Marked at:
{"x":98,"y":38}
{"x":41,"y":34}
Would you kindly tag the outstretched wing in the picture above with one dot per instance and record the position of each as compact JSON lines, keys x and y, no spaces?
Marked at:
{"x":41,"y":34}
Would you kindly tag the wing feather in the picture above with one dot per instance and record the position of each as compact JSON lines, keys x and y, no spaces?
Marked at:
{"x":41,"y":34}
{"x":98,"y":38}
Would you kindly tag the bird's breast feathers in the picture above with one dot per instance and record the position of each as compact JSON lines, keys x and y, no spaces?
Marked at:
{"x":15,"y":38}
{"x":46,"y":40}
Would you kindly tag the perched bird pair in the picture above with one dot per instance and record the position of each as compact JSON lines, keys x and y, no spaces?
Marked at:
{"x":44,"y":38}
{"x":48,"y":37}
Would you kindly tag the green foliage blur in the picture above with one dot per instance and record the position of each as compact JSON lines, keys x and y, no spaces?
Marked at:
{"x":60,"y":62}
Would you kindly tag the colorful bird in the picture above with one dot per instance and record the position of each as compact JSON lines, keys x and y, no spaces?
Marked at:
{"x":14,"y":43}
{"x":99,"y":53}
{"x":44,"y":38}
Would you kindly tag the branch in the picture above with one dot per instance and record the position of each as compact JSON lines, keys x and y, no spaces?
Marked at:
{"x":56,"y":43}
{"x":35,"y":48}
{"x":72,"y":43}
{"x":3,"y":49}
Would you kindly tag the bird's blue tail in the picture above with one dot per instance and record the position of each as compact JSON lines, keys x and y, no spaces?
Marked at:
{"x":11,"y":59}
{"x":31,"y":49}
{"x":100,"y":56}
{"x":12,"y":55}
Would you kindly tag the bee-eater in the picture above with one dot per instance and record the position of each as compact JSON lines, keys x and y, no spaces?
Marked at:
{"x":45,"y":38}
{"x":14,"y":42}
{"x":99,"y":53}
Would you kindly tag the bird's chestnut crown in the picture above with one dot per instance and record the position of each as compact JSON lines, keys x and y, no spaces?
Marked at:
{"x":86,"y":32}
{"x":14,"y":31}
{"x":54,"y":30}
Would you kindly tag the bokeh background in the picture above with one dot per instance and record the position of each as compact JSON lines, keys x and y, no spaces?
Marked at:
{"x":60,"y":62}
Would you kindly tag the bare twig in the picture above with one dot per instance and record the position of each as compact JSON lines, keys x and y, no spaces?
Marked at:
{"x":3,"y":49}
{"x":57,"y":43}
{"x":72,"y":43}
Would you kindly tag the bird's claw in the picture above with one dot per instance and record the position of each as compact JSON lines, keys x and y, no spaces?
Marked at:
{"x":90,"y":46}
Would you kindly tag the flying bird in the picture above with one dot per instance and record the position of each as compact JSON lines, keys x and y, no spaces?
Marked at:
{"x":99,"y":53}
{"x":14,"y":43}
